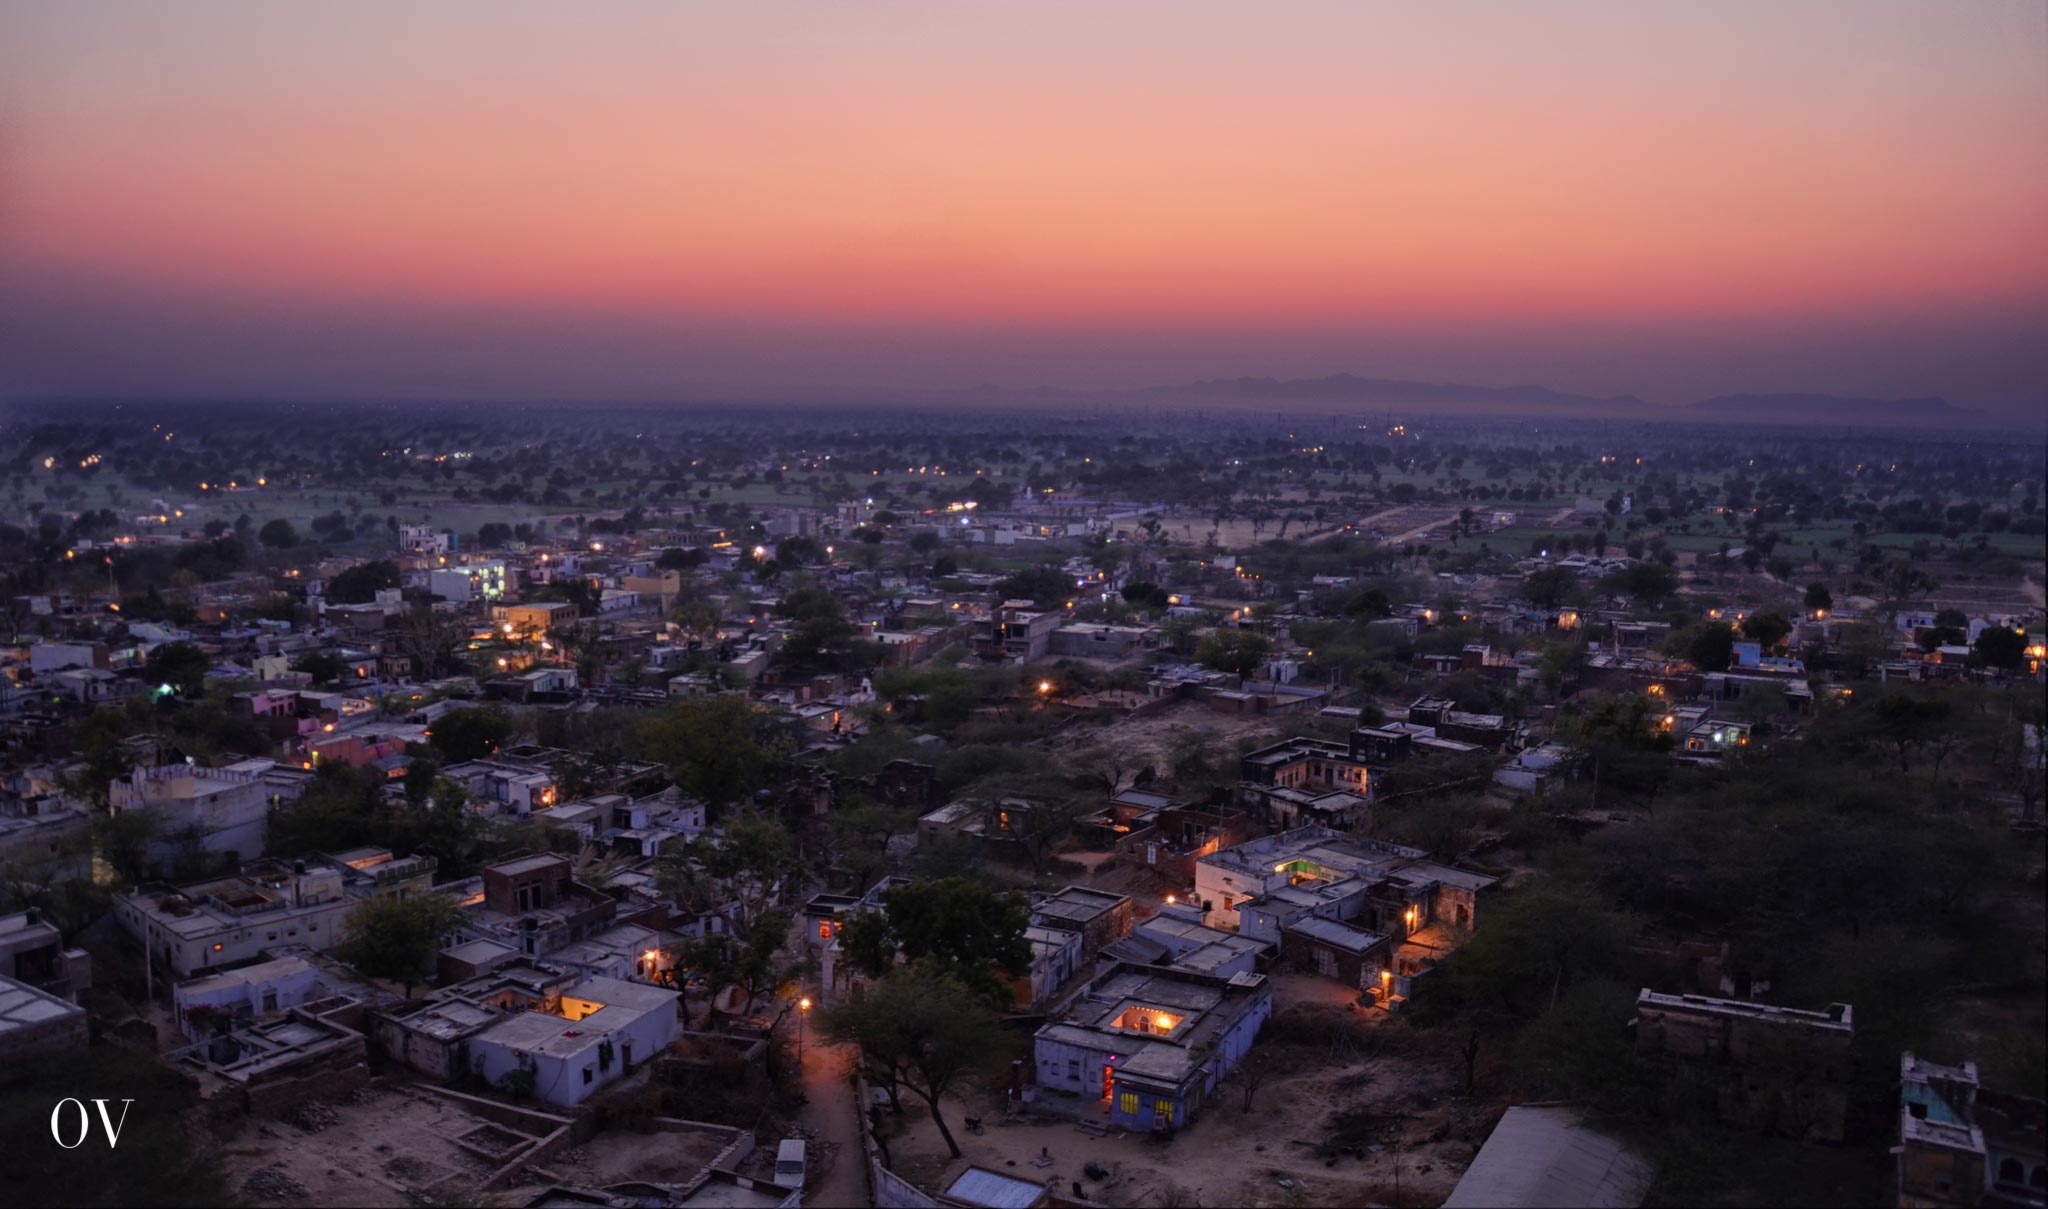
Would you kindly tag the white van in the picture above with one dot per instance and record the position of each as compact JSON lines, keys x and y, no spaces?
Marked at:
{"x":789,"y":1163}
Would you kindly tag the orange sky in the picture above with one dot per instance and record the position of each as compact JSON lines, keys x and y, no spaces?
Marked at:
{"x":1160,"y":168}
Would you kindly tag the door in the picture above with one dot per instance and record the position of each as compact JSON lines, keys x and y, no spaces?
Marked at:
{"x":1108,"y":1078}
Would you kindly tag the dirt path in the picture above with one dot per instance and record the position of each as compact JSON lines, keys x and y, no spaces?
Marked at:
{"x":837,"y":1181}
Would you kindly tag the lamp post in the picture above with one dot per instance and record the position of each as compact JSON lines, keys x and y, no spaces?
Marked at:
{"x":803,"y":1013}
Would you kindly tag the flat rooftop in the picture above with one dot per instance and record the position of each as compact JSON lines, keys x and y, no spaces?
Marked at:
{"x":23,"y":1006}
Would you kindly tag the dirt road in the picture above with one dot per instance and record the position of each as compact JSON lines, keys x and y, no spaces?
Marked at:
{"x":828,"y":1115}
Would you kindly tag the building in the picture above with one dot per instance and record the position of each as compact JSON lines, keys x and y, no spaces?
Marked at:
{"x":1177,"y":938}
{"x":1261,"y":888}
{"x":533,"y":619}
{"x":218,"y":811}
{"x":1147,"y":1047}
{"x":35,"y":1023}
{"x":1300,"y":781}
{"x":1783,"y":1070}
{"x":535,"y":905}
{"x":230,"y":921}
{"x":1962,"y":1144}
{"x":32,"y":952}
{"x":425,"y":539}
{"x":242,"y":994}
{"x":1021,"y":631}
{"x":1086,"y":640}
{"x":1099,"y":916}
{"x":470,"y":582}
{"x":1541,"y":1156}
{"x":588,"y":1037}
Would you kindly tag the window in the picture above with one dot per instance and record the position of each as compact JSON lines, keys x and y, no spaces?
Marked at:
{"x":824,"y":931}
{"x":1127,"y":1104}
{"x":1163,"y":1109}
{"x":586,"y":1074}
{"x":1074,"y":1068}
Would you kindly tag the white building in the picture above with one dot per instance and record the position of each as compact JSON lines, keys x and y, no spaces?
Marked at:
{"x":243,"y":994}
{"x":425,"y":539}
{"x":473,"y":581}
{"x":222,"y":810}
{"x":604,"y":1027}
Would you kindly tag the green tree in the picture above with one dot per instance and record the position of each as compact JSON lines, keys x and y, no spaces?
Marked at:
{"x":1240,"y":652}
{"x":360,"y":584}
{"x":325,"y":667}
{"x":1818,"y":597}
{"x":1766,"y":628}
{"x":1549,"y":587}
{"x":1711,"y":646}
{"x":397,"y":939}
{"x":1907,"y":721}
{"x":182,"y":665}
{"x":749,"y":860}
{"x":713,"y":747}
{"x":470,"y":733}
{"x":957,"y":927}
{"x":2001,"y":648}
{"x":921,"y":1032}
{"x":278,"y":534}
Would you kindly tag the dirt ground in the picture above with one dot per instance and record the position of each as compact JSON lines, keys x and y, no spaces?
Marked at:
{"x":384,"y":1146}
{"x":1148,"y":739}
{"x":1360,"y":1109}
{"x":617,"y":1157}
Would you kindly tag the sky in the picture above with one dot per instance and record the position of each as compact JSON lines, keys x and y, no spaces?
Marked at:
{"x":669,"y":199}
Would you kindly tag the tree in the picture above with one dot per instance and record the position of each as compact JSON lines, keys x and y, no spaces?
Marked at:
{"x":325,"y":667}
{"x":1767,"y":629}
{"x":1536,"y":942}
{"x":1907,"y":720}
{"x":1240,"y":652}
{"x":1649,"y":582}
{"x":360,"y":584}
{"x":1146,"y":596}
{"x":398,"y":938}
{"x":470,"y":733}
{"x":1178,"y":633}
{"x":1899,"y":583}
{"x":1711,"y":646}
{"x":1818,"y":597}
{"x":278,"y":534}
{"x":750,"y":861}
{"x":1548,"y":587}
{"x":1048,"y":587}
{"x":182,"y":665}
{"x":713,"y":747}
{"x":923,"y":1032}
{"x":960,"y":928}
{"x":2001,"y":648}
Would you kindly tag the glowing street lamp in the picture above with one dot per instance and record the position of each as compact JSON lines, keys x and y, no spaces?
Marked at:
{"x":803,"y":1014}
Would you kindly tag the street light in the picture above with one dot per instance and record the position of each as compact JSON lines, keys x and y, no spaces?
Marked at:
{"x":803,"y":1013}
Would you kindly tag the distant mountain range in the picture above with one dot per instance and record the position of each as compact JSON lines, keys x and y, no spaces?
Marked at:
{"x":1350,"y":390}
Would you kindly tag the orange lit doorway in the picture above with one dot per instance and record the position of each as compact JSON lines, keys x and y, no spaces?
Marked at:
{"x":1108,"y":1078}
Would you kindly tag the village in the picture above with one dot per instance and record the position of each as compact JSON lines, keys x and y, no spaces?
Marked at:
{"x":996,"y":837}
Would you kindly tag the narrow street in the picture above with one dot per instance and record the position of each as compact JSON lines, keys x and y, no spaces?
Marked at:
{"x":829,"y":1114}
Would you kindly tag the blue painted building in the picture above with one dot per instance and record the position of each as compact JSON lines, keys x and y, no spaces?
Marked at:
{"x":1146,"y":1046}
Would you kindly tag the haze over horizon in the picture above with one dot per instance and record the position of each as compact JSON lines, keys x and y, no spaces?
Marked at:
{"x":522,"y":200}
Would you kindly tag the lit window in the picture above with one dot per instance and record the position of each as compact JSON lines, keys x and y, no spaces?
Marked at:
{"x":1127,"y":1104}
{"x":1163,"y":1109}
{"x":825,"y":931}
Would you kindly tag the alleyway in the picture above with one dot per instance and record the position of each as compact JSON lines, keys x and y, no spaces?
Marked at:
{"x":829,"y":1116}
